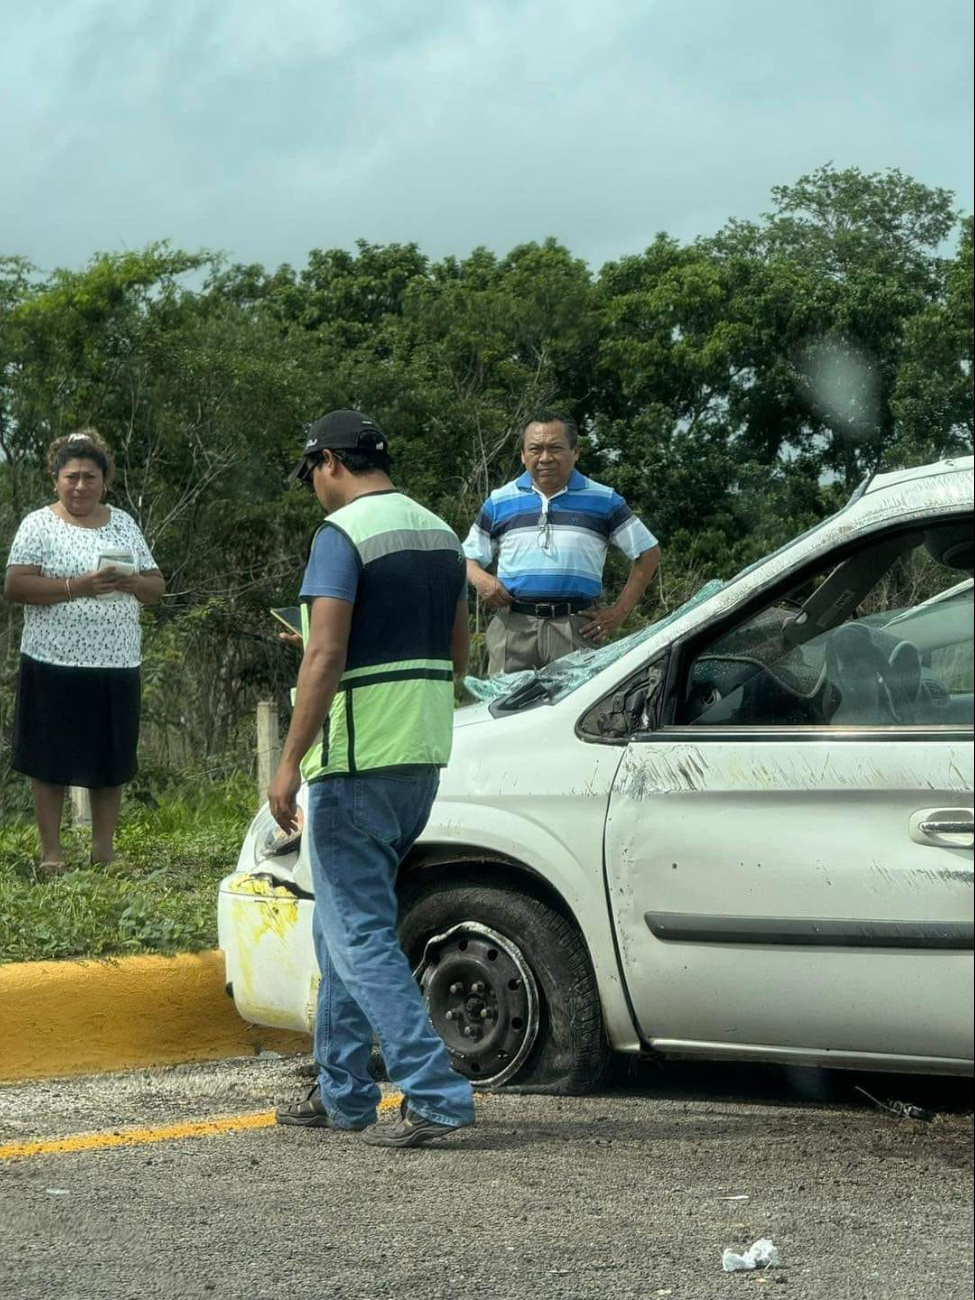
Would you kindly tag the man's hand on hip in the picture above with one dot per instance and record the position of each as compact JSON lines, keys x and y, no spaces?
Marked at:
{"x":602,"y":623}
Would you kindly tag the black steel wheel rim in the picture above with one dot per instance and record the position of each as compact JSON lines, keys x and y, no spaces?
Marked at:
{"x":482,"y":999}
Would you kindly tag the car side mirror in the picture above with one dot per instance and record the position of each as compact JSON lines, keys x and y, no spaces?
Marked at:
{"x":618,"y":715}
{"x":623,"y":713}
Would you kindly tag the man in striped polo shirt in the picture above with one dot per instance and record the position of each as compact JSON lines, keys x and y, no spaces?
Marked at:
{"x":550,"y":530}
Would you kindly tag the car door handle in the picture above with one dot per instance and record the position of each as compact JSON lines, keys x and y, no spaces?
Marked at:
{"x":946,"y":828}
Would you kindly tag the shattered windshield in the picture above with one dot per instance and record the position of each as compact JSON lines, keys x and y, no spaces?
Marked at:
{"x":567,"y":674}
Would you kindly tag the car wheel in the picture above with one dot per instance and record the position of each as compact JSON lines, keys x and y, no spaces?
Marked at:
{"x":509,"y":987}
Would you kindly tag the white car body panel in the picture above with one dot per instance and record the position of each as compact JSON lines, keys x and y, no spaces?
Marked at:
{"x":525,"y":788}
{"x":266,"y":937}
{"x":264,"y":928}
{"x":843,"y":850}
{"x":504,"y":795}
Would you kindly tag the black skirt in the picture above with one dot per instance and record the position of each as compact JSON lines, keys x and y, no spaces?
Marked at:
{"x":76,"y":726}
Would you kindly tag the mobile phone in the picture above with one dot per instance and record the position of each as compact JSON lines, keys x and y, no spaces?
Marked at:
{"x":290,"y":617}
{"x":123,"y":563}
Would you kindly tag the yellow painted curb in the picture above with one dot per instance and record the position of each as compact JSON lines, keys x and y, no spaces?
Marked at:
{"x":84,"y":1017}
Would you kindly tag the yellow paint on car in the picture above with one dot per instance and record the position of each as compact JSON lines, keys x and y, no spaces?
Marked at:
{"x":264,"y":917}
{"x":278,"y":915}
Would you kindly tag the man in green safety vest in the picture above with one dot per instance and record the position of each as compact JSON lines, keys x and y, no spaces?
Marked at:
{"x":384,"y":631}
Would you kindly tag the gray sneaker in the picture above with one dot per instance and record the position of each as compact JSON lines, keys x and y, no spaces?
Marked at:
{"x":410,"y":1130}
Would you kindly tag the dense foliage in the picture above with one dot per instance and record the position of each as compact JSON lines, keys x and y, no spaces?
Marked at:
{"x":735,"y":389}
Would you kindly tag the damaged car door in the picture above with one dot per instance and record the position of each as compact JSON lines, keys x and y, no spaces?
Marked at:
{"x":789,"y":853}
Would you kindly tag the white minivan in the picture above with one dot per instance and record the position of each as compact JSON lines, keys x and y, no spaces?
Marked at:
{"x":744,"y":832}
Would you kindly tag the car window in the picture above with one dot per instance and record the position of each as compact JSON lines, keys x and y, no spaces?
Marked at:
{"x":881,"y":639}
{"x":951,"y":666}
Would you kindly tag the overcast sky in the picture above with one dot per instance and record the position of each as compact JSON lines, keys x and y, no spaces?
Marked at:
{"x":266,"y":129}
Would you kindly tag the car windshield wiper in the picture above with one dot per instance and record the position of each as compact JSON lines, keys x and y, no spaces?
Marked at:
{"x":534,"y":691}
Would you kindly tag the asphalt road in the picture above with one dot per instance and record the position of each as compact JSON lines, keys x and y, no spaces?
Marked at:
{"x":634,"y":1193}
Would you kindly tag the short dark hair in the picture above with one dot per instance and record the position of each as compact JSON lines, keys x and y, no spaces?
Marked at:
{"x":554,"y":417}
{"x":359,"y":461}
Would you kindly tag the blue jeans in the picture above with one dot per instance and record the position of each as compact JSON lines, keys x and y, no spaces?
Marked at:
{"x":360,"y":828}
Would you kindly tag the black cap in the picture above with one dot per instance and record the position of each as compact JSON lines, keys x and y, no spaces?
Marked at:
{"x":340,"y":431}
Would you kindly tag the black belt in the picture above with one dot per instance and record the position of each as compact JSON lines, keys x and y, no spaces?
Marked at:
{"x":549,"y":608}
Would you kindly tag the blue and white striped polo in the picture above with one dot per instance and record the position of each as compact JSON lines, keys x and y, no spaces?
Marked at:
{"x":554,"y":548}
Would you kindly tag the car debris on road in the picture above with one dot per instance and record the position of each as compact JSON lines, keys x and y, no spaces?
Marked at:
{"x":900,"y":1109}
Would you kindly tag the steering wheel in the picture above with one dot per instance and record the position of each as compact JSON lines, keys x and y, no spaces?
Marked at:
{"x":857,"y":693}
{"x":904,"y":681}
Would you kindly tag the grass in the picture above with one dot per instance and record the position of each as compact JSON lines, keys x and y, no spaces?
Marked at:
{"x":158,"y":896}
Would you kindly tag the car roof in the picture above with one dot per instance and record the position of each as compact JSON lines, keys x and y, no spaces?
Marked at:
{"x":944,"y":487}
{"x":919,"y":475}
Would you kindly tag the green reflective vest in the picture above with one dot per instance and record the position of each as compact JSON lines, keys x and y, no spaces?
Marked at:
{"x":395,"y":701}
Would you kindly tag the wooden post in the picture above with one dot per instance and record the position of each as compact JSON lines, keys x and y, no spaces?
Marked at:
{"x":268,"y":746}
{"x":80,"y":807}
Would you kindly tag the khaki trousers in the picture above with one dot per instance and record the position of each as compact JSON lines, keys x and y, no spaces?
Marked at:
{"x":519,"y":641}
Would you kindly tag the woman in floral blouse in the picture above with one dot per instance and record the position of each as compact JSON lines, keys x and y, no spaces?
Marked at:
{"x":78,"y":699}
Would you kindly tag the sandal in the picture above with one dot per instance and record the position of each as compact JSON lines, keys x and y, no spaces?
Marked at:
{"x":51,"y":870}
{"x":311,"y":1113}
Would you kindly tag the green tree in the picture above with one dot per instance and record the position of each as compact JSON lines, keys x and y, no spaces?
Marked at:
{"x":849,"y":259}
{"x":734,"y":388}
{"x":934,"y":401}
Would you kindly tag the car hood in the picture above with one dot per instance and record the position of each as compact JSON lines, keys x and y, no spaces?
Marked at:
{"x":471,"y":714}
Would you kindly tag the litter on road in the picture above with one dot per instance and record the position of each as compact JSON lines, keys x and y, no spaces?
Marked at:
{"x":761,"y":1254}
{"x":900,"y":1109}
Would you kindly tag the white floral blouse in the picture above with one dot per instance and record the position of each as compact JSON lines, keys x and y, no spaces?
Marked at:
{"x":85,"y":632}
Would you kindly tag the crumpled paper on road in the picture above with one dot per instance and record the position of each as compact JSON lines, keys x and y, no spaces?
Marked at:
{"x":762,"y":1254}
